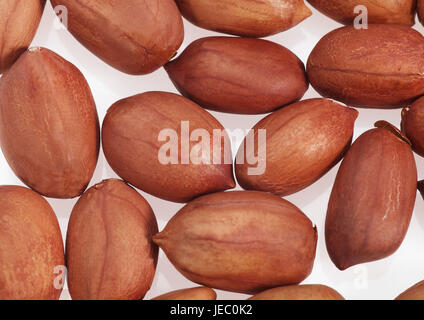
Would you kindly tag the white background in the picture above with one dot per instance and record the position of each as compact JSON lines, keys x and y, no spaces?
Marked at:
{"x":383,"y":279}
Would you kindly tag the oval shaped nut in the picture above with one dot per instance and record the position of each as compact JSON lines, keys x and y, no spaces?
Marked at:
{"x":198,"y":293}
{"x":378,"y":67}
{"x":299,"y":292}
{"x":109,"y":250}
{"x":19,"y":20}
{"x":133,"y":36}
{"x":238,"y":75}
{"x":372,"y":199}
{"x":378,"y":11}
{"x":243,"y":17}
{"x":416,"y":292}
{"x":168,"y":146}
{"x":49,"y":129}
{"x":413,"y":125}
{"x":295,"y":146}
{"x":241,"y":241}
{"x":31,"y":251}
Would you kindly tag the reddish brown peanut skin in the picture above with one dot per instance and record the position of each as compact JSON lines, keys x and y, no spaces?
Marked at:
{"x":31,"y":246}
{"x":303,"y":142}
{"x":299,"y":292}
{"x":241,"y":241}
{"x":413,"y":125}
{"x":416,"y":292}
{"x":199,"y":293}
{"x":49,"y":130}
{"x":378,"y":67}
{"x":131,"y":144}
{"x":372,"y":199}
{"x":379,"y":11}
{"x":420,"y":10}
{"x":238,"y":75}
{"x":109,"y":250}
{"x":133,"y":36}
{"x":258,"y":18}
{"x":19,"y":20}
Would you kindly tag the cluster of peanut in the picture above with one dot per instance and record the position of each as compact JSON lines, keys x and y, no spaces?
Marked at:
{"x":249,"y":241}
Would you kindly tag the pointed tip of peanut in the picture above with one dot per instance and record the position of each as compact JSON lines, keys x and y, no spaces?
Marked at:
{"x":307,"y":12}
{"x":355,"y":113}
{"x":158,"y":238}
{"x":388,"y":126}
{"x":304,"y":12}
{"x":341,"y":265}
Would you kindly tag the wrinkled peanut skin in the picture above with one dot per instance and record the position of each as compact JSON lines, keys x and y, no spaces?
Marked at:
{"x":130,"y":136}
{"x":416,"y":292}
{"x":109,"y":250}
{"x":31,"y":247}
{"x":413,"y":125}
{"x":198,"y":293}
{"x":259,"y":18}
{"x":238,"y":75}
{"x":133,"y":36}
{"x":378,"y":67}
{"x":19,"y":20}
{"x":49,"y":129}
{"x":372,"y":200}
{"x":299,"y":292}
{"x":241,"y":241}
{"x":303,"y":142}
{"x":379,"y":11}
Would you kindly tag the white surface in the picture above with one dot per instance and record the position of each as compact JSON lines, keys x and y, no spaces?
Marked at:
{"x":383,"y":279}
